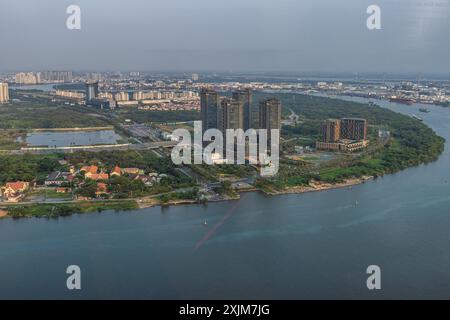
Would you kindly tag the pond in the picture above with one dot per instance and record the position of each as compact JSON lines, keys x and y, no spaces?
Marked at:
{"x":71,"y":138}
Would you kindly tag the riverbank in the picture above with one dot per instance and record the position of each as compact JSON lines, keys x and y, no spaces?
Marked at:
{"x":316,"y":186}
{"x":47,"y":210}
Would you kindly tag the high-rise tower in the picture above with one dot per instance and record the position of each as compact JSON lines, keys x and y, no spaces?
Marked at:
{"x":91,"y":90}
{"x":4,"y":92}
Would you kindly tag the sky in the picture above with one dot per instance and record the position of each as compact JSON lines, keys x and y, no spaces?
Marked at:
{"x":226,"y":35}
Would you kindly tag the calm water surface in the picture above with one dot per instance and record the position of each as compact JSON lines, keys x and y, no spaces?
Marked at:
{"x":315,"y":245}
{"x":72,"y":138}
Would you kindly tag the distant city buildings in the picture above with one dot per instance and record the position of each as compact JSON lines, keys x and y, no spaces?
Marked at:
{"x":347,"y":135}
{"x":91,"y":90}
{"x":27,"y":78}
{"x":102,"y":103}
{"x":70,"y":94}
{"x":56,"y":76}
{"x":122,"y":96}
{"x":195,"y":77}
{"x":4,"y":93}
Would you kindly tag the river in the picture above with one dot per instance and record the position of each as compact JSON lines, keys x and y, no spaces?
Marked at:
{"x":314,"y":245}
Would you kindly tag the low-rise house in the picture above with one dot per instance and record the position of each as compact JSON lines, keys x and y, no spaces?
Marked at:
{"x":116,"y":171}
{"x":57,"y":178}
{"x":148,"y":181}
{"x":102,"y":189}
{"x":89,"y":171}
{"x":98,"y":176}
{"x":132,"y":171}
{"x":15,"y":191}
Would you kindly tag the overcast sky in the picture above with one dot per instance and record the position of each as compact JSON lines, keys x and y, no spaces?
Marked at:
{"x":226,"y":35}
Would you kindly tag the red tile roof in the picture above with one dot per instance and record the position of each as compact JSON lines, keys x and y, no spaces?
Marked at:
{"x":90,"y":169}
{"x":117,"y":170}
{"x":99,"y":176}
{"x":16,"y":186}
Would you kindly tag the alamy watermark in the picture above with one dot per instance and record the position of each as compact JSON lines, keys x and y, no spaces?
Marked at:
{"x":74,"y":280}
{"x":73,"y":22}
{"x":238,"y":144}
{"x":374,"y":280}
{"x":374,"y":19}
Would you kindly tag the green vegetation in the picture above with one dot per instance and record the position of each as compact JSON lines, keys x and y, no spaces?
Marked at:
{"x":226,"y":189}
{"x":214,"y":173}
{"x":10,"y":139}
{"x":411,"y":142}
{"x":18,"y":118}
{"x":29,"y":115}
{"x":143,"y":116}
{"x":182,"y":195}
{"x":50,"y":194}
{"x":57,"y":210}
{"x":145,"y":160}
{"x":27,"y":167}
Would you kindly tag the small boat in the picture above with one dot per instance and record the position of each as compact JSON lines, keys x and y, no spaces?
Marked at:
{"x":356,"y":203}
{"x":205,"y":223}
{"x":424,"y":110}
{"x":416,"y":117}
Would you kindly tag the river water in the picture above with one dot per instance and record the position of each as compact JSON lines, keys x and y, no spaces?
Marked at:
{"x":315,"y":245}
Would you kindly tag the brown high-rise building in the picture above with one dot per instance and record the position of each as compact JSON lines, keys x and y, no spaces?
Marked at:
{"x":251,"y":113}
{"x":331,"y":130}
{"x":270,"y":116}
{"x":209,"y":104}
{"x":354,"y":129}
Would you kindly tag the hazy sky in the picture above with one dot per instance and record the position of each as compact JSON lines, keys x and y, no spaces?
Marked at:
{"x":226,"y":35}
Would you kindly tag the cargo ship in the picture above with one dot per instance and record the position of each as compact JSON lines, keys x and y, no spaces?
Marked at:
{"x":407,"y":101}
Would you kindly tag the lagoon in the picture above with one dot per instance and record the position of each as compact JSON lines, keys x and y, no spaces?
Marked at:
{"x":71,"y":138}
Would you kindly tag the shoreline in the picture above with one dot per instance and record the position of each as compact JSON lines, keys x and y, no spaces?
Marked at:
{"x":314,"y":187}
{"x":318,"y":186}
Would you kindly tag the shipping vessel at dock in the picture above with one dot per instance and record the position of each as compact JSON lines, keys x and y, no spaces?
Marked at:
{"x":401,"y":100}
